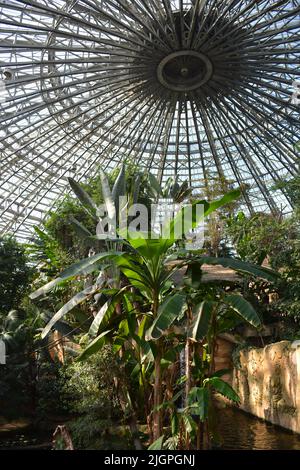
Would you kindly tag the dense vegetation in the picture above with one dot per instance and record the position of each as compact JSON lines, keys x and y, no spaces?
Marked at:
{"x":119,"y":334}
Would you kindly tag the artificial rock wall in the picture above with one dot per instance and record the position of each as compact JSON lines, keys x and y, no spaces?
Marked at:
{"x":268,"y":383}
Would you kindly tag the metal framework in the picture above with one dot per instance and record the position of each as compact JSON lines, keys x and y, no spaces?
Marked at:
{"x":198,"y":88}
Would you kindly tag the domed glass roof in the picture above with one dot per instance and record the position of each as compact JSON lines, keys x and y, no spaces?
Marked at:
{"x":202,"y":89}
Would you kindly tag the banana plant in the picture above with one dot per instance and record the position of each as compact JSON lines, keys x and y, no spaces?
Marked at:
{"x":186,"y":421}
{"x":210,"y":310}
{"x":139,"y":314}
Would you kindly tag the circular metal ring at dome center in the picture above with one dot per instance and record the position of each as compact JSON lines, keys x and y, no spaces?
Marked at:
{"x":184,"y":70}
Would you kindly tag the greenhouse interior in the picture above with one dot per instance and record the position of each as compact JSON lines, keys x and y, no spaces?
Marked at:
{"x":150,"y":225}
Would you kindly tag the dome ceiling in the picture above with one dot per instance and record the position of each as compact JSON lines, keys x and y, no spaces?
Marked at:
{"x":202,"y":89}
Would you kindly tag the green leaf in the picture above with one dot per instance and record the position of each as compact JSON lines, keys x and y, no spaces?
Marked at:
{"x":41,"y":234}
{"x":175,"y":424}
{"x":83,"y":196}
{"x":76,"y":300}
{"x":202,"y":314}
{"x":150,"y":248}
{"x":106,"y":311}
{"x":243,"y":308}
{"x":154,"y":185}
{"x":166,"y":190}
{"x":189,"y":423}
{"x":81,"y":231}
{"x":72,"y":271}
{"x":138,"y":277}
{"x":166,"y":315}
{"x":226,"y":199}
{"x":203,"y":403}
{"x":157,"y":445}
{"x":222,"y":387}
{"x":221,"y":372}
{"x":187,"y":218}
{"x":13,"y":318}
{"x":93,"y":347}
{"x":119,"y":188}
{"x":145,"y":348}
{"x":199,"y":399}
{"x":98,"y":319}
{"x":241,"y":266}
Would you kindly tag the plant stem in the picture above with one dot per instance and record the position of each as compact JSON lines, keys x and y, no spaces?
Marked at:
{"x":157,"y":413}
{"x":187,"y":370}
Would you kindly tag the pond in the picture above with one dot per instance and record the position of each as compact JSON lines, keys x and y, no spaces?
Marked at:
{"x":239,"y":431}
{"x":25,"y":439}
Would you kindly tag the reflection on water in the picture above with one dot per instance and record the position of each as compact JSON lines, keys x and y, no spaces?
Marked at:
{"x":27,"y":438}
{"x":240,"y":431}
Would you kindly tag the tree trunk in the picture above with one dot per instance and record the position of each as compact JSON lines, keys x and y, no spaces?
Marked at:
{"x":187,"y":370}
{"x":188,"y":383}
{"x":157,"y":413}
{"x":122,"y":388}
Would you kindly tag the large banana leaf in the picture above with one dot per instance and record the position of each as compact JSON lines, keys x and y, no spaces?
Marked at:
{"x":222,"y":387}
{"x":74,"y":270}
{"x":106,"y":311}
{"x":226,"y":199}
{"x":241,"y":266}
{"x":186,"y":219}
{"x":94,"y":346}
{"x":167,"y":313}
{"x":202,"y":314}
{"x":243,"y":308}
{"x":76,"y":300}
{"x":149,"y":246}
{"x":63,"y":327}
{"x":175,"y":229}
{"x":98,"y":319}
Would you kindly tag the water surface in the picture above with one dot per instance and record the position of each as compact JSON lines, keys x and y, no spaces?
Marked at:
{"x":241,"y":431}
{"x":238,"y":430}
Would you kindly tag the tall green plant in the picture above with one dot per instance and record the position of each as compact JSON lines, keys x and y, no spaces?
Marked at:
{"x":138,"y":314}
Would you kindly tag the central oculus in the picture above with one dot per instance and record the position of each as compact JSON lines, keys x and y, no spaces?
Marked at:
{"x":184,"y":70}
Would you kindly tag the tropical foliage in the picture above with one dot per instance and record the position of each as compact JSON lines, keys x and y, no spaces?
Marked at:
{"x":15,"y":273}
{"x":273,"y":239}
{"x":152,"y":322}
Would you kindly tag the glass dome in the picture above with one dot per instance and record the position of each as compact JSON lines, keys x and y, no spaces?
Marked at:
{"x":202,"y":89}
